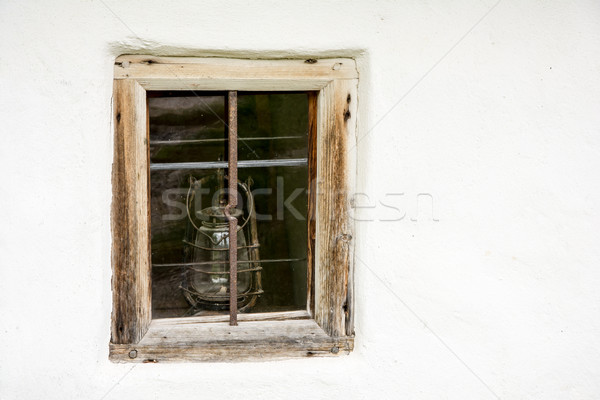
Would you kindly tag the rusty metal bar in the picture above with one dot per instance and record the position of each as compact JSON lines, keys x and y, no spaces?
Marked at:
{"x":232,"y":171}
{"x":217,"y":140}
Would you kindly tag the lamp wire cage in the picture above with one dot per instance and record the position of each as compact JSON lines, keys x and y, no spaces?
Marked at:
{"x":205,"y":274}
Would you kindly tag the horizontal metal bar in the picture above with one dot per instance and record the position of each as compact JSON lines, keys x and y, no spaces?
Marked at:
{"x":288,"y":162}
{"x":192,"y":264}
{"x":239,"y":271}
{"x":221,"y":296}
{"x":217,"y":140}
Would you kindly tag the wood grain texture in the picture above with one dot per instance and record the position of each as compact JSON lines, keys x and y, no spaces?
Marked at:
{"x":184,"y":73}
{"x":333,"y":228}
{"x":349,"y":90}
{"x":218,"y":342}
{"x":130,"y":216}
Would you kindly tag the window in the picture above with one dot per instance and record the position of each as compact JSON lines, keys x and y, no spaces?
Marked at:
{"x":176,"y":211}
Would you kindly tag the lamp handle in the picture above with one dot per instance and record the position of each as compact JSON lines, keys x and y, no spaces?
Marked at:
{"x":250,"y":205}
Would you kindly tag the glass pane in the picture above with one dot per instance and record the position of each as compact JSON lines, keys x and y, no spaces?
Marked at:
{"x":186,"y":127}
{"x":189,"y":233}
{"x":272,"y":126}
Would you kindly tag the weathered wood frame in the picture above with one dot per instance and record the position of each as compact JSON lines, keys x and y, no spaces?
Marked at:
{"x":326,"y":328}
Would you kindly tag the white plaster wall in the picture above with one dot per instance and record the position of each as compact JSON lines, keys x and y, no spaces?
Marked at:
{"x":496,"y":119}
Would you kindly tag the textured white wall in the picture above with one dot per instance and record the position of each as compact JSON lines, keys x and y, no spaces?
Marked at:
{"x":497,"y":119}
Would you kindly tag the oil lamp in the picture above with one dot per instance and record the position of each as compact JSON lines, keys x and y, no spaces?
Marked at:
{"x":206,"y":275}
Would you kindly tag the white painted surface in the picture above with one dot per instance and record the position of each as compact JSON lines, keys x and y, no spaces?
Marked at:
{"x":503,"y":132}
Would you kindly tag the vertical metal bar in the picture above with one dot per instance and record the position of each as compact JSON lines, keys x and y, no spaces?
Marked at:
{"x":232,"y":166}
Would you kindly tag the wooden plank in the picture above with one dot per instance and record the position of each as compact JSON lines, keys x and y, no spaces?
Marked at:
{"x":139,"y":67}
{"x":218,"y":342}
{"x":333,"y":230}
{"x":130,"y":216}
{"x":178,"y":82}
{"x":149,"y":70}
{"x":350,"y":118}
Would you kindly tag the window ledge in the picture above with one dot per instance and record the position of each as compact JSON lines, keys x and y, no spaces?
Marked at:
{"x":258,"y":337}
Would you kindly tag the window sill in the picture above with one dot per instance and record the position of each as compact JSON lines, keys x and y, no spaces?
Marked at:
{"x":258,"y":337}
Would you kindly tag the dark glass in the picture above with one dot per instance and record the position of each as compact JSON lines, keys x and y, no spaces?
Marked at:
{"x":272,"y":126}
{"x":188,"y":127}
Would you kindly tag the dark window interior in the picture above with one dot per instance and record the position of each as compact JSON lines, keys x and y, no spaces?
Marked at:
{"x":189,"y":127}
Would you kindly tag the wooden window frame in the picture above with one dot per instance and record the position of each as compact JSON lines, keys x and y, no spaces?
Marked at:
{"x":326,"y":327}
